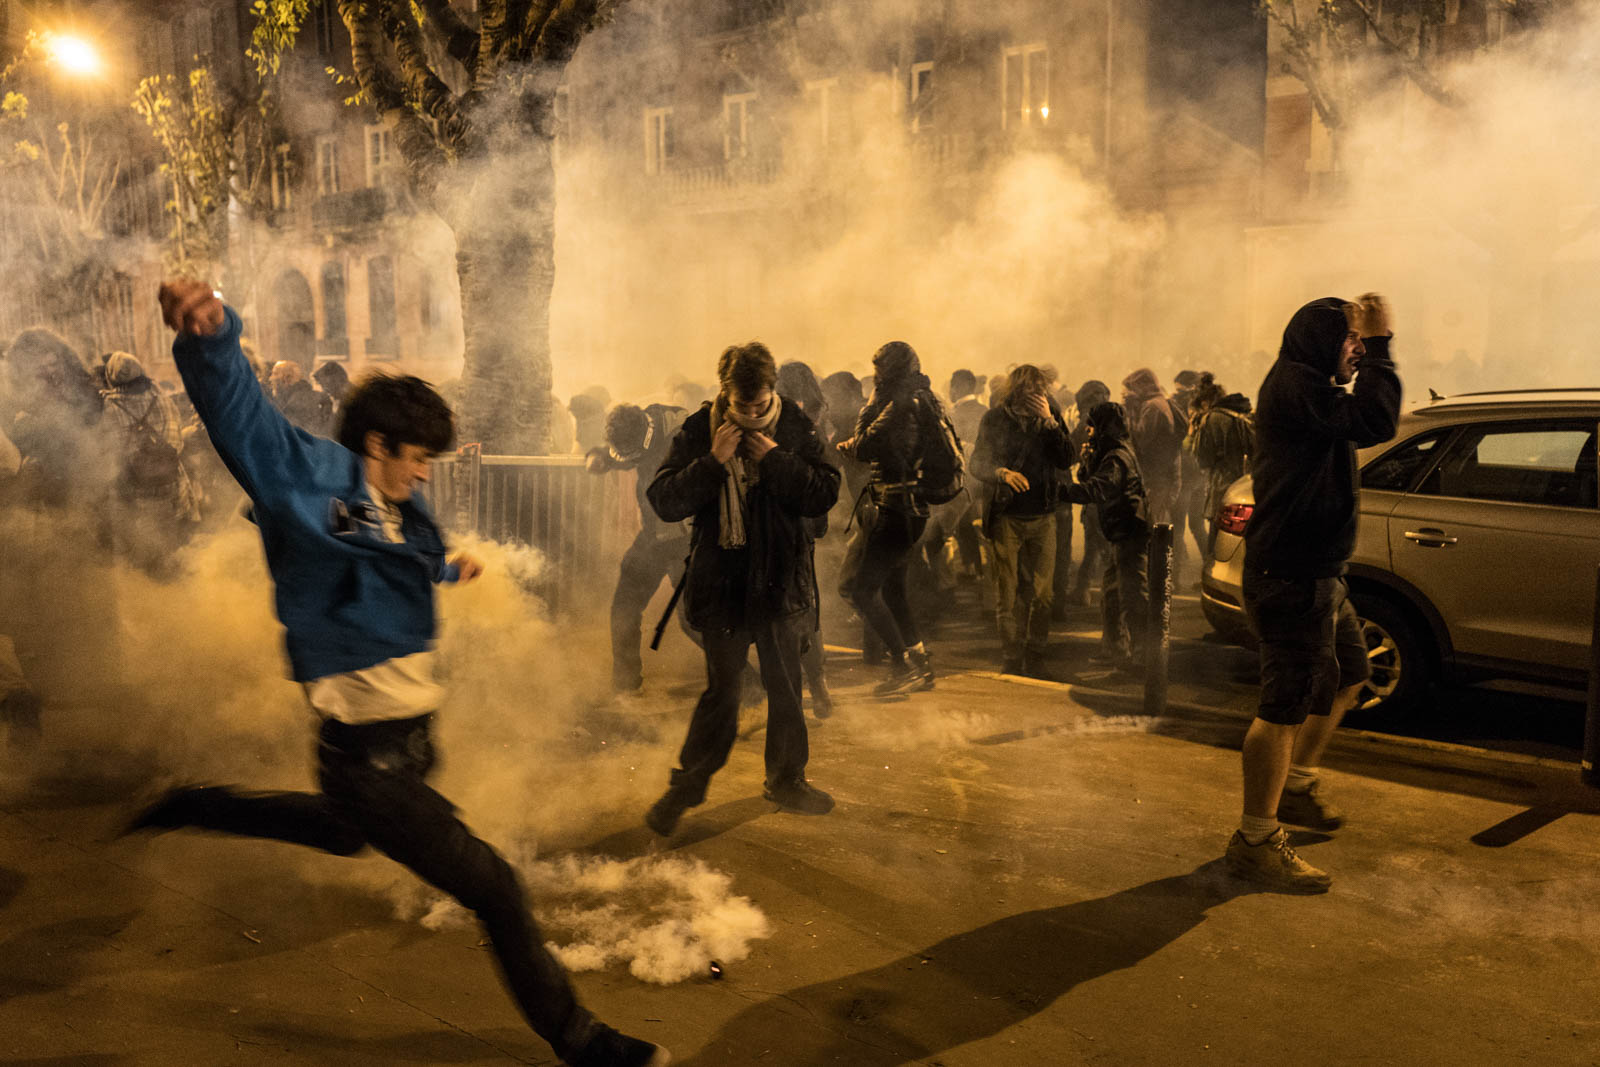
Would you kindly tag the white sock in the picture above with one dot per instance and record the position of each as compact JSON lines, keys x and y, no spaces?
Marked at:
{"x":1301,"y":779}
{"x":1257,"y":829}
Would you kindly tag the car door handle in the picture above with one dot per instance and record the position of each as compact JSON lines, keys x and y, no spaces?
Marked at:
{"x":1430,"y":537}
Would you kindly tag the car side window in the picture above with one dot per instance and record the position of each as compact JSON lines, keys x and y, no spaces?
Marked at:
{"x":1550,"y":463}
{"x":1397,"y":468}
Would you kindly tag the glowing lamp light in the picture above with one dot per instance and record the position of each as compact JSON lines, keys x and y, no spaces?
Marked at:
{"x":73,"y":54}
{"x":1044,"y":114}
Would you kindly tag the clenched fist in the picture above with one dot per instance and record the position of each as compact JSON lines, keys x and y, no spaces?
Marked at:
{"x":1374,"y":316}
{"x":191,"y":307}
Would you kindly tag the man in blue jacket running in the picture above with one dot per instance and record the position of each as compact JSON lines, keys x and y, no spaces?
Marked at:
{"x":354,"y":556}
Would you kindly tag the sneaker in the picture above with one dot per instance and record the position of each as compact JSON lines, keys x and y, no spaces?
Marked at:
{"x":610,"y":1048}
{"x":922,"y":666}
{"x":1309,"y":809}
{"x":800,"y":797}
{"x":903,"y":678}
{"x":664,"y":814}
{"x":1273,"y":864}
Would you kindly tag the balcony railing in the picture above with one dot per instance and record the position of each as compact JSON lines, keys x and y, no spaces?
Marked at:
{"x":353,"y":209}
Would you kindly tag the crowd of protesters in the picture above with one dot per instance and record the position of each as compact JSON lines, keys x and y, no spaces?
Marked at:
{"x":901,"y":488}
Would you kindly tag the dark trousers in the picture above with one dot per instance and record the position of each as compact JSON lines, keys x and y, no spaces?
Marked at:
{"x":1095,"y":547}
{"x":1062,"y":581}
{"x":715,"y":724}
{"x":374,"y":793}
{"x":874,"y":578}
{"x":1125,"y":597}
{"x":1024,"y":559}
{"x":646,"y":562}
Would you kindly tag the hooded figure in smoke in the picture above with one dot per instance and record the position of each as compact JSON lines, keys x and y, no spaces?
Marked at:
{"x":156,"y":500}
{"x":1109,"y":478}
{"x":1221,"y":439}
{"x":1299,"y":538}
{"x":1083,"y":401}
{"x":300,"y":403}
{"x":53,"y":404}
{"x":891,"y":434}
{"x":637,"y":440}
{"x":749,"y":471}
{"x":334,"y":381}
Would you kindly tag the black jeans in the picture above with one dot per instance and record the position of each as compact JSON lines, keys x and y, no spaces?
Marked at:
{"x":1095,"y":547}
{"x":874,"y":578}
{"x":648,"y":560}
{"x":715,"y":724}
{"x":374,"y":793}
{"x":1125,"y":597}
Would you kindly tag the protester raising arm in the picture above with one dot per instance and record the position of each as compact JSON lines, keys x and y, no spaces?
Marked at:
{"x":260,"y":447}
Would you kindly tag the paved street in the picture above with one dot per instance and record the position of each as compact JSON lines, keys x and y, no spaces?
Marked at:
{"x":1017,"y":873}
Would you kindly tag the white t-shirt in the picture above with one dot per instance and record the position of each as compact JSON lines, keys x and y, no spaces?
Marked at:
{"x":394,"y":689}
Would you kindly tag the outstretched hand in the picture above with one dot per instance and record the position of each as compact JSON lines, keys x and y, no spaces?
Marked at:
{"x":468,"y":567}
{"x":191,"y":307}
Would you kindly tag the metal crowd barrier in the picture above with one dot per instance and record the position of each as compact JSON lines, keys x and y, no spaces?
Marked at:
{"x":580,"y":522}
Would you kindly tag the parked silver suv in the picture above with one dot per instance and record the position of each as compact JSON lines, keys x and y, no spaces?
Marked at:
{"x":1478,"y":545}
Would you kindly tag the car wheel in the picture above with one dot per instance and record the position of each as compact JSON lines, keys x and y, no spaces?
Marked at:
{"x":1402,"y":667}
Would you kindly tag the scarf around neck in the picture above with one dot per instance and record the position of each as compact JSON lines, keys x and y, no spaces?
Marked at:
{"x":741,"y":474}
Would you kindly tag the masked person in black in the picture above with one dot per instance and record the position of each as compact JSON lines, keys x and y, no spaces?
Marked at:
{"x":890,"y":517}
{"x":637,"y":440}
{"x":749,"y":470}
{"x":1109,"y":478}
{"x":798,"y":382}
{"x":1313,"y":658}
{"x":1022,"y":442}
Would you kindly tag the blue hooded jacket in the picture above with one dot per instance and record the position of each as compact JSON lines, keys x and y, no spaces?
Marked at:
{"x":348,"y":598}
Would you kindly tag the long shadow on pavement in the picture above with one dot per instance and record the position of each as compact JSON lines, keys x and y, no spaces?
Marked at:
{"x":972,"y":985}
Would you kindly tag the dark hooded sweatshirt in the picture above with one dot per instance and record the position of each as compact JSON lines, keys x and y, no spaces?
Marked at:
{"x":1307,"y":433}
{"x":1109,"y":477}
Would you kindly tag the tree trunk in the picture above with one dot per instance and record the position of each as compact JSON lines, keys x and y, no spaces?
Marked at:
{"x":505,"y":258}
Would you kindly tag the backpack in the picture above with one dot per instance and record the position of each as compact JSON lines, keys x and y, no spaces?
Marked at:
{"x":942,"y":467}
{"x":151,"y":467}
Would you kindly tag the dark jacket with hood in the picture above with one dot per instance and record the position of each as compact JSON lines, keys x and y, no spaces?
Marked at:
{"x":773,"y":575}
{"x":896,"y":425}
{"x":305,"y":407}
{"x":1109,"y":477}
{"x":1157,"y":430}
{"x":1036,"y":448}
{"x":1307,"y":433}
{"x":664,"y":422}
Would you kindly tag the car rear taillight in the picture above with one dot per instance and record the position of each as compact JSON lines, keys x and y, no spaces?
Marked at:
{"x":1233,"y":518}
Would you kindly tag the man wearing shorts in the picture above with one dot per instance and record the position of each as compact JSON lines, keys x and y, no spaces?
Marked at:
{"x":1313,"y":659}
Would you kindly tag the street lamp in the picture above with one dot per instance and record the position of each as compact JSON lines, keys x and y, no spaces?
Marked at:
{"x":73,"y":55}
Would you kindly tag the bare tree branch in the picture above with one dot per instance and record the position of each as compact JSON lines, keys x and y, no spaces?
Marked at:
{"x":460,"y":42}
{"x":430,"y":92}
{"x":1302,"y":49}
{"x":415,"y":140}
{"x":1411,"y":63}
{"x":557,"y":39}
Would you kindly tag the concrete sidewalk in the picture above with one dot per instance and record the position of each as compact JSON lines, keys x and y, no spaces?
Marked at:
{"x":1015,"y":874}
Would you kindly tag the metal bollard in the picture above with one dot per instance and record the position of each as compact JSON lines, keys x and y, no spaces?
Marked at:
{"x":1591,"y":724}
{"x":1158,"y":627}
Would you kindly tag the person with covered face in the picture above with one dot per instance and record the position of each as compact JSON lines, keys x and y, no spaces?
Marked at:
{"x":637,"y":440}
{"x":1221,"y":440}
{"x":354,"y":554}
{"x":1022,"y":443}
{"x":1109,"y":477}
{"x":1088,"y":394}
{"x":749,"y":471}
{"x":889,"y":519}
{"x":1308,"y":426}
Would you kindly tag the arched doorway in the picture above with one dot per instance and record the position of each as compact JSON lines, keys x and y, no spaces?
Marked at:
{"x":297,"y":325}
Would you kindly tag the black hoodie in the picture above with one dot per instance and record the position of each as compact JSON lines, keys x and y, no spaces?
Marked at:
{"x":1109,"y":477}
{"x":1307,"y":433}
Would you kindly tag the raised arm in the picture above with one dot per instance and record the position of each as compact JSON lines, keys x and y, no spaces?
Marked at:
{"x":260,"y":447}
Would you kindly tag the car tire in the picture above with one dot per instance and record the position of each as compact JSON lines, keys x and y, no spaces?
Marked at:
{"x":1401,"y":657}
